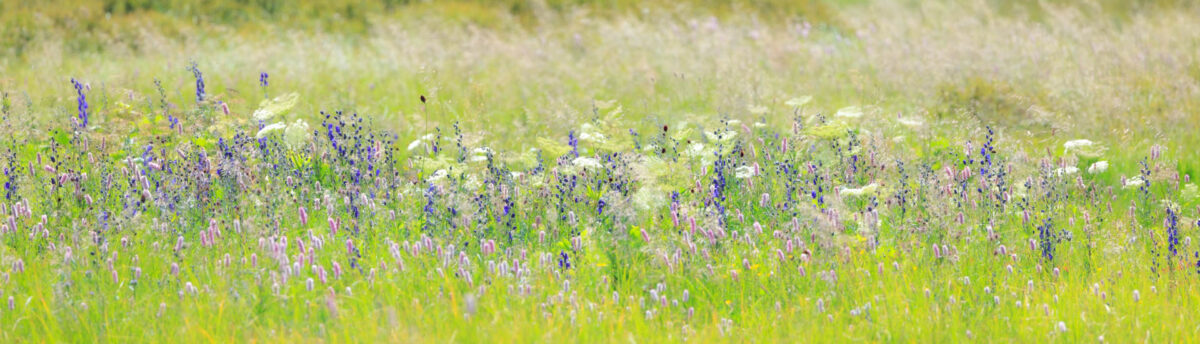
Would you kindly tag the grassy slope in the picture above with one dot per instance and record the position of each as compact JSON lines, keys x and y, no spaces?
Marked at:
{"x":1065,"y":73}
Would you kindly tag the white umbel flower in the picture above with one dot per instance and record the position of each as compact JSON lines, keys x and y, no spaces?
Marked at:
{"x":480,"y":154}
{"x":1069,"y":170}
{"x":586,"y":162}
{"x":268,"y":109}
{"x":269,"y":128}
{"x":1098,"y":167}
{"x":1083,"y":148}
{"x":1074,"y":144}
{"x":743,"y":172}
{"x":297,"y":133}
{"x":910,"y":122}
{"x":1133,"y":182}
{"x":869,"y":189}
{"x":849,"y":112}
{"x":438,"y":175}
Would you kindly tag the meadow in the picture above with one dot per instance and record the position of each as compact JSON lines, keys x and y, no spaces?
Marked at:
{"x":599,"y":171}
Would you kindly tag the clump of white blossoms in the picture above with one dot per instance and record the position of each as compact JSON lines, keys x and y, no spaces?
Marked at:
{"x":743,"y":172}
{"x":297,"y":133}
{"x":294,"y":134}
{"x":269,"y":108}
{"x":910,"y":122}
{"x":480,"y":154}
{"x":420,"y":140}
{"x":266,"y":130}
{"x":849,"y":112}
{"x":586,"y":162}
{"x":438,"y":175}
{"x":1066,"y":170}
{"x":694,"y":150}
{"x":866,"y":190}
{"x":1083,"y":148}
{"x":1098,"y":167}
{"x":1133,"y":182}
{"x":589,"y":133}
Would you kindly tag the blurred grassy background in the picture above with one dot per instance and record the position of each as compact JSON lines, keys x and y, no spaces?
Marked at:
{"x":1125,"y":72}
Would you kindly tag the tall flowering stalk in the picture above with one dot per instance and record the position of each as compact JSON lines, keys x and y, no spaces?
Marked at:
{"x":1172,"y":225}
{"x":262,"y":82}
{"x":1046,"y":236}
{"x":81,"y":100}
{"x":199,"y":82}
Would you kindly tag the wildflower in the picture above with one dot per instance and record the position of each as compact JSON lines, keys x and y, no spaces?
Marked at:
{"x":437,"y":175}
{"x":1171,"y":223}
{"x":199,"y":82}
{"x":270,"y":128}
{"x":586,"y":162}
{"x":849,"y":112}
{"x":590,"y":133}
{"x":1066,"y":171}
{"x":798,"y":101}
{"x":303,"y":214}
{"x":1134,"y":182}
{"x":694,"y":150}
{"x":1083,"y":148}
{"x":262,"y":82}
{"x":297,"y":133}
{"x":269,"y":108}
{"x":867,"y":190}
{"x":81,"y":100}
{"x":480,"y":154}
{"x":1074,"y":144}
{"x":1061,"y":327}
{"x":743,"y":172}
{"x":1098,"y":167}
{"x":910,"y":122}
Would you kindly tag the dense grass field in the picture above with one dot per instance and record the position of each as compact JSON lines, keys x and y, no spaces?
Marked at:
{"x":599,"y":171}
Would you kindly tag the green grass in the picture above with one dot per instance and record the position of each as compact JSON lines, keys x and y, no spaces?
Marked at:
{"x":502,"y":87}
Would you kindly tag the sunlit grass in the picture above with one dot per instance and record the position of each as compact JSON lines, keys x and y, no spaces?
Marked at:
{"x":557,"y":171}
